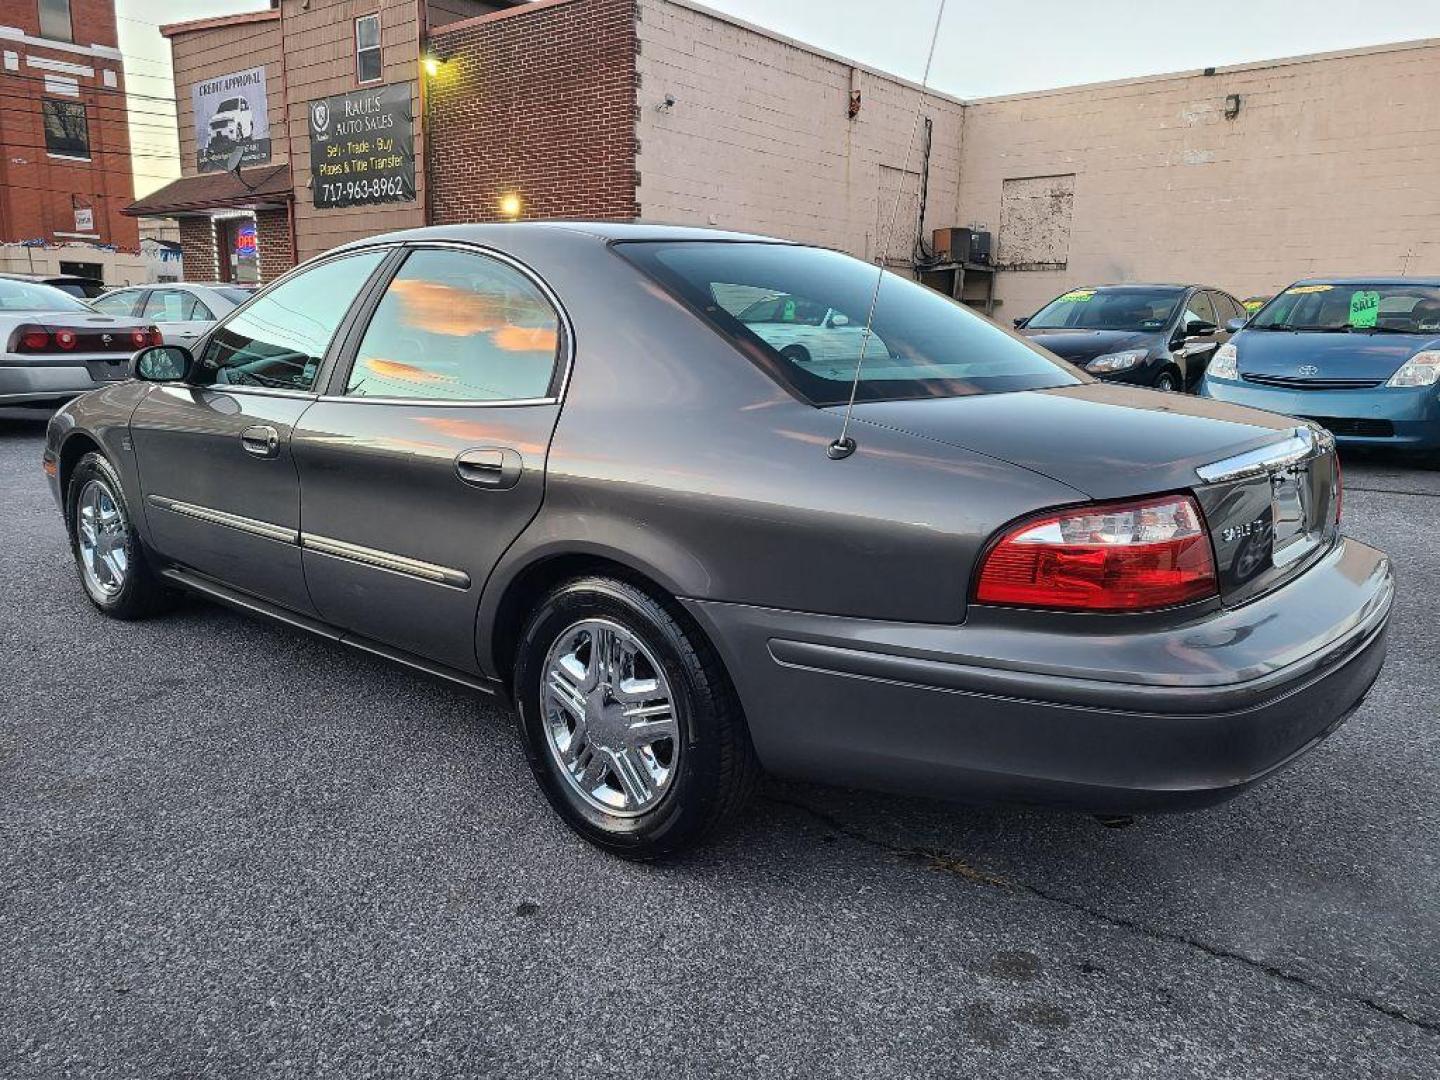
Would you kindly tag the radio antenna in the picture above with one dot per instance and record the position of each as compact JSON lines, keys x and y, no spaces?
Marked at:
{"x":844,"y":446}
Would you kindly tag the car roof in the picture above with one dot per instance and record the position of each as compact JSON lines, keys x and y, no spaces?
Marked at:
{"x":1147,"y":285}
{"x":499,"y":232}
{"x":44,"y":279}
{"x":1377,"y":279}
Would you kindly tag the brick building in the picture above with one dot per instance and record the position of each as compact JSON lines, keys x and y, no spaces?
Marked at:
{"x":1246,"y":176}
{"x":65,"y":169}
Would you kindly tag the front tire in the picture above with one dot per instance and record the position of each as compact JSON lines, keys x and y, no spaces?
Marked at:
{"x":1168,"y":381}
{"x":630,"y":723}
{"x":107,"y":549}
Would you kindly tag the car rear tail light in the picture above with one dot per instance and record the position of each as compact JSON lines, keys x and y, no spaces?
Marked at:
{"x":31,"y":339}
{"x":1127,"y":556}
{"x":65,"y":339}
{"x":150,"y":335}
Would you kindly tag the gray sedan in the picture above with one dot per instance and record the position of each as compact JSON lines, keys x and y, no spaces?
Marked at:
{"x":552,"y":461}
{"x":184,"y":311}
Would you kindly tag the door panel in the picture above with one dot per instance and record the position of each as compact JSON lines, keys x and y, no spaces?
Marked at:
{"x":192,"y":460}
{"x":430,"y":458}
{"x":384,"y":478}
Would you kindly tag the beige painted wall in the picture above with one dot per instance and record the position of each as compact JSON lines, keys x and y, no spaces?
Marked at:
{"x":758,"y":137}
{"x":1331,"y":166}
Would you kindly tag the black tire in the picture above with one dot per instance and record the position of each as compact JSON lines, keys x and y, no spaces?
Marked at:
{"x":796,"y":354}
{"x":715,"y":769}
{"x":1168,"y":381}
{"x":141,"y":593}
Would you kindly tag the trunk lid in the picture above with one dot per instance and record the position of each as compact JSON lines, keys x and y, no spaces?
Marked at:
{"x":1270,"y":481}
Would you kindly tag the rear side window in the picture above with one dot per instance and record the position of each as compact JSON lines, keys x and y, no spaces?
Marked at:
{"x":120,"y":303}
{"x":280,"y":339}
{"x":172,"y":305}
{"x":461,"y":327}
{"x":800,"y":314}
{"x":1199,"y":308}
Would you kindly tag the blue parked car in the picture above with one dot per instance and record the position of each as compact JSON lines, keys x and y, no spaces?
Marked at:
{"x":1360,"y":356}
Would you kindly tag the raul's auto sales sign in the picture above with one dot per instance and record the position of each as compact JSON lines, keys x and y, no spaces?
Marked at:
{"x":362,"y":147}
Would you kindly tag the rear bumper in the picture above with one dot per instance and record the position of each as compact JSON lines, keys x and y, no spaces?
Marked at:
{"x":37,"y":384}
{"x":1379,"y":417}
{"x":994,"y":711}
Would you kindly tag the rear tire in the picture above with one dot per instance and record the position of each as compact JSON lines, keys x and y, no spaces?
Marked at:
{"x":796,"y":354}
{"x":1168,"y":381}
{"x":638,"y":786}
{"x":109,"y":555}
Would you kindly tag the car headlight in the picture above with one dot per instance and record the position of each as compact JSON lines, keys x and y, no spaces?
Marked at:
{"x":1225,"y":364}
{"x":1422,"y":369}
{"x":1116,"y":361}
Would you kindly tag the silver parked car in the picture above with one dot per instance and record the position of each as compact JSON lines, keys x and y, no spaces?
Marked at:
{"x":556,"y":461}
{"x":183,"y":311}
{"x":54,"y":345}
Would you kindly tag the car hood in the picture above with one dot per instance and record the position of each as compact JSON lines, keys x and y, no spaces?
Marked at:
{"x":1080,"y":346}
{"x":1106,"y":440}
{"x":1334,"y":356}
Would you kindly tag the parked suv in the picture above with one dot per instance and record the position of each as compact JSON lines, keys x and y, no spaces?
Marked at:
{"x":233,"y":121}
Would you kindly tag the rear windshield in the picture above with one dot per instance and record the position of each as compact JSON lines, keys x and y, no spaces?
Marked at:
{"x":235,"y":296}
{"x":32,"y":296}
{"x":799,"y":313}
{"x":1108,"y":309}
{"x":1336,"y":307}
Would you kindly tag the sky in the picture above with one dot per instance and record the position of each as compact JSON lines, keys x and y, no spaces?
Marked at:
{"x":986,"y":47}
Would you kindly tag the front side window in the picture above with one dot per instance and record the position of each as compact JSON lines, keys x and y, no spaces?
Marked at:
{"x":1108,"y":308}
{"x":55,"y":20}
{"x":66,"y":130}
{"x":461,"y":327}
{"x":171,"y":305}
{"x":280,"y":339}
{"x":799,"y":313}
{"x":116,"y":303}
{"x":1353,"y":306}
{"x":367,"y":48}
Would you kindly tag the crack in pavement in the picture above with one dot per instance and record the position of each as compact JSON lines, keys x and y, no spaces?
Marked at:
{"x":951,"y":864}
{"x":1392,"y":491}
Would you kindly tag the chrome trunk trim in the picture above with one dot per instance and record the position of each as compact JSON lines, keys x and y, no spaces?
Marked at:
{"x":385,"y":560}
{"x":265,"y":529}
{"x":1303,"y":444}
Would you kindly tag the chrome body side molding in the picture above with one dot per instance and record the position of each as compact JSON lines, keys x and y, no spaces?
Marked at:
{"x":385,"y":560}
{"x":254,"y":527}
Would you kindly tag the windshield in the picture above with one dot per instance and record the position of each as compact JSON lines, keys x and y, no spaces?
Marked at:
{"x":799,"y":313}
{"x":1112,"y":308}
{"x":32,"y":296}
{"x":1397,"y":309}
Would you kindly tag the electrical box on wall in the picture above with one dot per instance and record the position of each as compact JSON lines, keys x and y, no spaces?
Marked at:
{"x":962,"y":245}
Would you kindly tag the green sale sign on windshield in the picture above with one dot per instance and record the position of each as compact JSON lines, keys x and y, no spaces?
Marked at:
{"x":1364,"y":308}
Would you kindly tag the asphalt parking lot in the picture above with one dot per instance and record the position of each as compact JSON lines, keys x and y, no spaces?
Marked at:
{"x":229,"y":849}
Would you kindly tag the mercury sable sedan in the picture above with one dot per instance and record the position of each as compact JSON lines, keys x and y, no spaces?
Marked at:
{"x":552,"y":461}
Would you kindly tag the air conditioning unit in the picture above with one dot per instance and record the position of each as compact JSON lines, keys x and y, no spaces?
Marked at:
{"x":961,"y":245}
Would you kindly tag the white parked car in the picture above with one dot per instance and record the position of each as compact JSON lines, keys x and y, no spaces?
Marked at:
{"x":811,"y":334}
{"x":183,"y":311}
{"x":233,"y":120}
{"x":54,"y":346}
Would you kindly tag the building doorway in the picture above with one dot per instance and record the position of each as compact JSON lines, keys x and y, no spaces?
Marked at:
{"x":239,"y":250}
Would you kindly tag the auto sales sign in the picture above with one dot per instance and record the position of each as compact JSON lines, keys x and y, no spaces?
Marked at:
{"x":362,"y":147}
{"x":231,"y":113}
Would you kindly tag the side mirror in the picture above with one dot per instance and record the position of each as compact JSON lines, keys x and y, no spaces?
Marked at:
{"x":1199,"y":328}
{"x":162,"y":363}
{"x":839,"y":320}
{"x":1236,"y":325}
{"x":1021,"y":321}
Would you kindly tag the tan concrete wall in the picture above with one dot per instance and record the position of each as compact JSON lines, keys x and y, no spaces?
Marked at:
{"x":202,"y":55}
{"x":758,"y":137}
{"x":1331,"y":166}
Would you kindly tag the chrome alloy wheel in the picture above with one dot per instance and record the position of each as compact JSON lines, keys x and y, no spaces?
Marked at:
{"x":103,"y":535}
{"x":609,"y":718}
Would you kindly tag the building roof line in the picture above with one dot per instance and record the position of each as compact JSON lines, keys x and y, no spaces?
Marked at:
{"x":217,"y":21}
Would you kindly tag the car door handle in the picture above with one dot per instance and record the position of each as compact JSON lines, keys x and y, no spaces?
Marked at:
{"x":489,"y":468}
{"x":262,"y":440}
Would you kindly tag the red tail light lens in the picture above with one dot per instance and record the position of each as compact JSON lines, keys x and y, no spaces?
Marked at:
{"x":1129,"y":556}
{"x":153,"y":336}
{"x":139,"y":338}
{"x":34,"y":339}
{"x":65,"y":339}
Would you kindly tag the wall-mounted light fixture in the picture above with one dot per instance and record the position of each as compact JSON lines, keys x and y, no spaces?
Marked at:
{"x":432,"y":62}
{"x":667,"y":104}
{"x":511,"y":205}
{"x":1232,"y":106}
